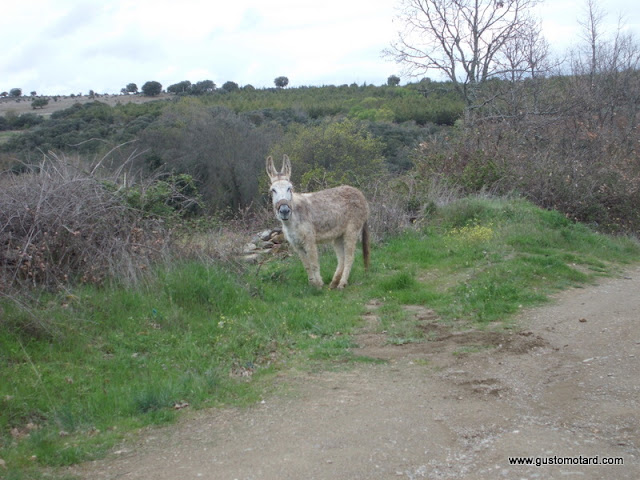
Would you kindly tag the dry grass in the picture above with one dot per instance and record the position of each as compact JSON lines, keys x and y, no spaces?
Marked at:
{"x":222,"y":241}
{"x":60,"y":224}
{"x":396,"y":203}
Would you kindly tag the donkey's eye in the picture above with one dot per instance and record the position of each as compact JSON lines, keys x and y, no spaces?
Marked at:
{"x":273,"y":190}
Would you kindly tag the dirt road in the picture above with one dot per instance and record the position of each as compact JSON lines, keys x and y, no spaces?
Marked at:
{"x":564,"y":387}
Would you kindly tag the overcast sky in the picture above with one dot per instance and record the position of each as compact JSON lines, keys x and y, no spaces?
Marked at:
{"x":73,"y":46}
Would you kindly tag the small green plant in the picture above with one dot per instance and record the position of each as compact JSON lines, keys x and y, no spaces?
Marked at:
{"x":398,"y":281}
{"x":472,"y":233}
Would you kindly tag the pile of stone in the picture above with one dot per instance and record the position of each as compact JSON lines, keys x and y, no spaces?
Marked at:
{"x":264,"y":243}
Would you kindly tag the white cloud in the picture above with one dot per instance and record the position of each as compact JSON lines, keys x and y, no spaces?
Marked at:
{"x":66,"y":46}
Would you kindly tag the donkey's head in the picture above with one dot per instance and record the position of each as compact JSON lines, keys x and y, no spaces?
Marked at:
{"x":281,"y":188}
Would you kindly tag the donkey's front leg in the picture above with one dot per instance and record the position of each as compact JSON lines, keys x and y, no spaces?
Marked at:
{"x":308,"y":253}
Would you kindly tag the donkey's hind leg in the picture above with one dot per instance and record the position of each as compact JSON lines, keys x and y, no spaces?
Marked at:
{"x":338,"y":246}
{"x":349,"y":241}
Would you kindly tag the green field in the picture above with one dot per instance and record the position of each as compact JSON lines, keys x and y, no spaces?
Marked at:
{"x":82,"y":368}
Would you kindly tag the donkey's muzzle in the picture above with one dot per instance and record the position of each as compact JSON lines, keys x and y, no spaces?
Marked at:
{"x":283,"y":210}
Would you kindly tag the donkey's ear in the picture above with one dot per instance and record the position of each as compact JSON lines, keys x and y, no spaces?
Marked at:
{"x":271,"y":169}
{"x":286,"y":166}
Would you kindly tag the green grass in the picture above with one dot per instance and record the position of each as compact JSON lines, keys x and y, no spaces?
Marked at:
{"x":81,"y":369}
{"x":6,"y":135}
{"x":482,"y":260}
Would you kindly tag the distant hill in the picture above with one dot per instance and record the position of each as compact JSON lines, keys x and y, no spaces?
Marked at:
{"x":22,"y":104}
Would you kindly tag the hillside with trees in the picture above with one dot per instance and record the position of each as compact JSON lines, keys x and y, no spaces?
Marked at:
{"x":194,"y":133}
{"x":564,"y":141}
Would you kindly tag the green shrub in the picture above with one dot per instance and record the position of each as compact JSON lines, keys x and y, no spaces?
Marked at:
{"x":163,"y":197}
{"x":331,"y":154}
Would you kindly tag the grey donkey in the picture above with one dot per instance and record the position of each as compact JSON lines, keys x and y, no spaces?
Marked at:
{"x":337,"y":215}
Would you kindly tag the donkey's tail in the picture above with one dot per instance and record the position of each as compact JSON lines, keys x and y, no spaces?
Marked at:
{"x":365,"y":245}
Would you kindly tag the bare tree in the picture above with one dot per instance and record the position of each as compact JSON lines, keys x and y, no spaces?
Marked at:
{"x":601,"y":54}
{"x":605,"y":76}
{"x":463,"y":39}
{"x":591,"y":33}
{"x":524,"y":61}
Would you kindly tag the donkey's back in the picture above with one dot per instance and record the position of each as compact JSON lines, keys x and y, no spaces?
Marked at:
{"x":336,"y":211}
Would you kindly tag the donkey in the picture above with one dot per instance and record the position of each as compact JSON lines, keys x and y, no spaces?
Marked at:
{"x":335,"y":214}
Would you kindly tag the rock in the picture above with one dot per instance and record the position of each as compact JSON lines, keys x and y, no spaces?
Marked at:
{"x":251,"y":258}
{"x":265,"y":235}
{"x":278,"y":237}
{"x":249,"y":247}
{"x":264,"y":242}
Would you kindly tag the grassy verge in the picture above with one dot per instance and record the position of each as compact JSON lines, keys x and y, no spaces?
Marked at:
{"x":79,"y":370}
{"x":481,"y":260}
